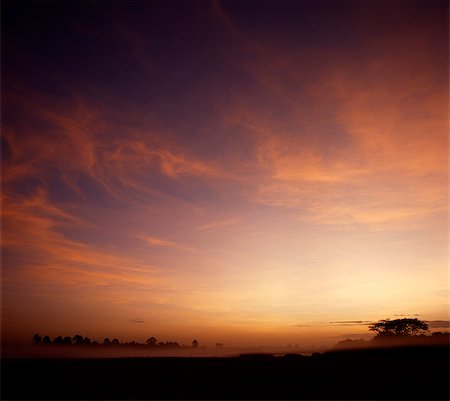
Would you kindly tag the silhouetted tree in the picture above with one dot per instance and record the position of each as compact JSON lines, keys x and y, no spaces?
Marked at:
{"x":106,"y":341}
{"x":219,"y":345}
{"x":86,"y":340}
{"x":67,"y":340}
{"x":46,"y":340}
{"x":37,"y":339}
{"x":115,"y":341}
{"x":58,"y":340}
{"x":78,"y":339}
{"x":151,"y":342}
{"x":399,"y":327}
{"x":195,"y":344}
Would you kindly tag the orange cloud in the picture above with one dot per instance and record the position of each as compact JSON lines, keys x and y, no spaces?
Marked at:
{"x":371,"y":151}
{"x":138,"y":154}
{"x":33,"y":226}
{"x":77,"y":141}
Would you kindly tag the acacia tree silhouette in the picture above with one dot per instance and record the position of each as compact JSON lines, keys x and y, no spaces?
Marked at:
{"x":399,"y":327}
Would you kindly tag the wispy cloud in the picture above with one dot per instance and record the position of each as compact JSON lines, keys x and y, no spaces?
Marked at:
{"x":158,"y":242}
{"x":352,"y":323}
{"x":34,"y":224}
{"x":218,"y":224}
{"x":338,"y":323}
{"x":140,"y":321}
{"x":379,"y":151}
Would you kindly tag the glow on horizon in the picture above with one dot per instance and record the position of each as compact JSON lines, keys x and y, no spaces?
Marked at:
{"x":288,"y":186}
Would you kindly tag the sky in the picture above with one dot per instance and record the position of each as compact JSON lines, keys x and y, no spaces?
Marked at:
{"x":251,"y":173}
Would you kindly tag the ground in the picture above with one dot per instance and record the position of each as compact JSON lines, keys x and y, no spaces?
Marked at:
{"x":395,"y":373}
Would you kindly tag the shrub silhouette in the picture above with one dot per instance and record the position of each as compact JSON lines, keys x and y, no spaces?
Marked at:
{"x":169,"y":344}
{"x":349,"y":343}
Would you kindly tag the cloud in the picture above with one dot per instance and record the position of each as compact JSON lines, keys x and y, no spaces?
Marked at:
{"x":338,"y":323}
{"x":377,"y":151}
{"x":433,"y":324}
{"x":35,"y":226}
{"x":76,"y":149}
{"x":352,"y":323}
{"x":378,"y":167}
{"x":138,"y":321}
{"x":158,"y":242}
{"x":402,"y":315}
{"x":218,"y":224}
{"x":147,"y":151}
{"x":175,"y":165}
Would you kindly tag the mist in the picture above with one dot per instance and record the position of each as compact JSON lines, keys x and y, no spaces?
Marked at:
{"x":122,"y":351}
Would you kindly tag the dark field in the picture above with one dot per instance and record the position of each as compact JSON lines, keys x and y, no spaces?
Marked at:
{"x":396,"y":373}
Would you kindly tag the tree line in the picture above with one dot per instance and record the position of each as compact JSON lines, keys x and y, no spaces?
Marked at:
{"x":78,"y":339}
